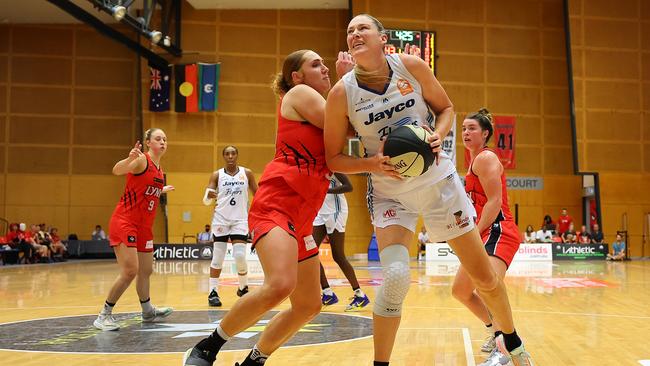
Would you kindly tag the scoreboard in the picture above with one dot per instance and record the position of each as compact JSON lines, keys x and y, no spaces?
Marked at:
{"x":423,"y":41}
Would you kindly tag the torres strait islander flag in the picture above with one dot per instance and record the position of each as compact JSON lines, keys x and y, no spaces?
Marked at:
{"x":208,"y":87}
{"x":186,"y":87}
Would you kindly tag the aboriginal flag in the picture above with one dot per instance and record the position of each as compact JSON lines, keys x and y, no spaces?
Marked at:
{"x":187,"y":93}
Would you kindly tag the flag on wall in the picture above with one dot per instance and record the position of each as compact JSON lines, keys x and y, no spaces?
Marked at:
{"x":186,"y":92}
{"x":209,"y":87}
{"x":504,"y":138}
{"x":159,"y":88}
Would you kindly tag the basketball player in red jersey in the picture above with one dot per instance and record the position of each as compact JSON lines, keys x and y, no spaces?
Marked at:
{"x":291,"y":190}
{"x":130,"y":232}
{"x":485,"y":184}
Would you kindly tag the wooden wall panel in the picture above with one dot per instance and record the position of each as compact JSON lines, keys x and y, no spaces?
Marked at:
{"x":612,"y":94}
{"x":611,"y":64}
{"x":257,"y":69}
{"x":309,"y":18}
{"x":96,"y":161}
{"x":30,"y":39}
{"x":524,"y":42}
{"x":37,"y":189}
{"x":406,"y":10}
{"x":553,"y":43}
{"x":514,"y":100}
{"x":36,"y":159}
{"x":180,"y":158}
{"x":609,"y":9}
{"x":513,"y":12}
{"x":4,"y":68}
{"x":4,"y":38}
{"x":461,"y":68}
{"x":113,"y":103}
{"x":39,"y":130}
{"x":113,"y":131}
{"x":528,"y":130}
{"x":558,"y":160}
{"x":252,"y":17}
{"x":199,"y":37}
{"x":613,"y":157}
{"x":469,"y":11}
{"x":106,"y":73}
{"x":555,"y":131}
{"x":614,"y":125}
{"x":194,"y":127}
{"x":34,"y":70}
{"x":508,"y":70}
{"x":40,"y":100}
{"x":465,"y":97}
{"x":84,"y":218}
{"x":459,"y":38}
{"x":263,"y":40}
{"x":246,"y":129}
{"x":90,"y":43}
{"x":610,"y":33}
{"x":3,"y":99}
{"x":96,"y":190}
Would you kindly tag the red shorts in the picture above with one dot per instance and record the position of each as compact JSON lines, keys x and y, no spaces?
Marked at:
{"x":276,"y":204}
{"x":502,"y":240}
{"x":132,"y":235}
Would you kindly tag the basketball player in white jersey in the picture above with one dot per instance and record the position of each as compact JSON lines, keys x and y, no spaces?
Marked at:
{"x":330,"y":221}
{"x":385,"y":92}
{"x":230,"y":186}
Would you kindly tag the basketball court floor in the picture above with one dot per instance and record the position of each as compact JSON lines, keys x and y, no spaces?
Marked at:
{"x":569,"y":313}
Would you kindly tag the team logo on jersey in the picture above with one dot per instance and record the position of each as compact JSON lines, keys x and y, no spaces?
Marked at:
{"x":385,"y":100}
{"x":404,"y":86}
{"x":178,"y":332}
{"x":388,"y":113}
{"x":291,"y":227}
{"x":158,"y":180}
{"x":361,"y":101}
{"x":390,"y":213}
{"x":131,"y":239}
{"x":461,"y":221}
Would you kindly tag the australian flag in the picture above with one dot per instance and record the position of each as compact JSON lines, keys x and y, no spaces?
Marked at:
{"x":159,"y":88}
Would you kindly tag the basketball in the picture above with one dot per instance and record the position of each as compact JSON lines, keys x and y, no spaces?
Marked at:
{"x":408,"y":150}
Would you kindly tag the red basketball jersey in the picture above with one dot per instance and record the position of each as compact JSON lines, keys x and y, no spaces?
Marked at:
{"x":479,"y":199}
{"x":141,"y":195}
{"x":299,"y":156}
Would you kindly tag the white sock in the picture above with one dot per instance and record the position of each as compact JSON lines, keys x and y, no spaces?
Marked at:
{"x":243,"y":280}
{"x":107,"y":309}
{"x":214,"y":283}
{"x":490,"y":329}
{"x":359,"y":293}
{"x":146,"y":306}
{"x":328,"y":291}
{"x":222,"y":333}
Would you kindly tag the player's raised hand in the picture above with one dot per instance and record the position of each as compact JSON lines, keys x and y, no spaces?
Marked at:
{"x":136,"y":152}
{"x":410,"y":49}
{"x":344,"y":64}
{"x":168,"y":189}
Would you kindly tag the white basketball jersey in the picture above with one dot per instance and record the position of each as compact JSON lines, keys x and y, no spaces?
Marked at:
{"x":232,"y":196}
{"x":373,"y":115}
{"x":334,"y":204}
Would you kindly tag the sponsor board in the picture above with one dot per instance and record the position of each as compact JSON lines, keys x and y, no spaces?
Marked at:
{"x":518,"y":269}
{"x":526,"y":252}
{"x":196,"y":252}
{"x":580,"y":251}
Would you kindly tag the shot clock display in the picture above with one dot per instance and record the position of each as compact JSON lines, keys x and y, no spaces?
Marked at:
{"x":425,"y":43}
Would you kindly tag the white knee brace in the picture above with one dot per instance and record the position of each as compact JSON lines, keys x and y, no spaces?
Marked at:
{"x":239,"y":253}
{"x":218,"y":254}
{"x":395,"y":268}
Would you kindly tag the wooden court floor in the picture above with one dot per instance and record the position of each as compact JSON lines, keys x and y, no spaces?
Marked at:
{"x":569,"y":313}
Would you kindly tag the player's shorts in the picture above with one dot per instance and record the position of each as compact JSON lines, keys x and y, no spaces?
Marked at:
{"x":502,"y":240}
{"x":276,"y":204}
{"x":225,"y":228}
{"x":445,"y":207}
{"x":130,"y":234}
{"x":335,"y":221}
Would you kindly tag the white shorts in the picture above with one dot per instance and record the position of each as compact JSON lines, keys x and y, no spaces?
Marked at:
{"x":232,"y":228}
{"x":335,"y":221}
{"x":444,"y":206}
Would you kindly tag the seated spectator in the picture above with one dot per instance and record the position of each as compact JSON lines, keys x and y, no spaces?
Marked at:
{"x":530,"y":235}
{"x":98,"y":233}
{"x":583,"y":236}
{"x":40,"y":246}
{"x":59,"y":249}
{"x":597,"y":235}
{"x":423,"y":239}
{"x":544,"y":235}
{"x":16,"y":239}
{"x":618,"y":249}
{"x":569,"y":236}
{"x":205,"y":237}
{"x":549,"y":223}
{"x":563,"y":222}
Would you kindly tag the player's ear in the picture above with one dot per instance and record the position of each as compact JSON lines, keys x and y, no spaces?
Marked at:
{"x":384,"y":37}
{"x":297,"y":77}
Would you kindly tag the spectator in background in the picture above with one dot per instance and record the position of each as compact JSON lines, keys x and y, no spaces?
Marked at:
{"x":584,"y":237}
{"x":563,"y":222}
{"x":618,"y":249}
{"x":40,"y":246}
{"x":205,"y":237}
{"x":98,"y":233}
{"x":423,"y":239}
{"x":530,"y":235}
{"x":549,"y":223}
{"x":58,"y":248}
{"x":544,"y":235}
{"x":43,"y":238}
{"x":569,"y":236}
{"x":16,"y":239}
{"x":597,"y":235}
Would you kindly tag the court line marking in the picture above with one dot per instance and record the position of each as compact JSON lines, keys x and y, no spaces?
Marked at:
{"x":166,"y":353}
{"x":644,"y":362}
{"x":467,"y":340}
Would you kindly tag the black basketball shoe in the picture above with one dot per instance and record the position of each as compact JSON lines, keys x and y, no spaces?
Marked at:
{"x":242,"y":292}
{"x":213,"y":298}
{"x":197,"y":357}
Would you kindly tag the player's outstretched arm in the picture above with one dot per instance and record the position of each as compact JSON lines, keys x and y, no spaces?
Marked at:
{"x":135,"y":163}
{"x":211,"y":190}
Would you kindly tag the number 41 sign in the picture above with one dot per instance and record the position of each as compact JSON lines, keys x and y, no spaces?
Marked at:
{"x":504,"y":139}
